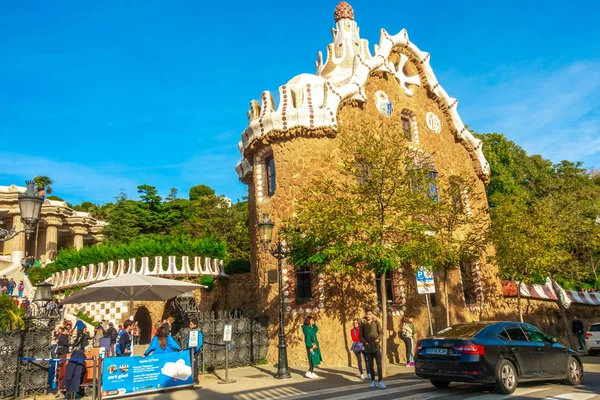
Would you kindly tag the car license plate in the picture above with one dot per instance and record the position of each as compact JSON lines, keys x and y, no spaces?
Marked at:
{"x":434,"y":350}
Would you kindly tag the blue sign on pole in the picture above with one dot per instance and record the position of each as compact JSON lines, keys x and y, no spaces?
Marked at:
{"x":122,"y":376}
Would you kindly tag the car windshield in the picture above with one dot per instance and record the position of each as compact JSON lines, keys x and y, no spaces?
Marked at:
{"x":595,"y":328}
{"x":466,"y":330}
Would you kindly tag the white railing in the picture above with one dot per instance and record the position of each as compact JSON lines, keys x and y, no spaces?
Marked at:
{"x":93,"y":273}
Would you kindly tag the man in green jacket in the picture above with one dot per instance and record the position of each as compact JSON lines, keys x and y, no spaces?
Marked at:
{"x":371,"y":336}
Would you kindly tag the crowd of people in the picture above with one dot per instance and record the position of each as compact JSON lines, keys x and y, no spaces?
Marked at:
{"x":8,"y":287}
{"x":366,"y":334}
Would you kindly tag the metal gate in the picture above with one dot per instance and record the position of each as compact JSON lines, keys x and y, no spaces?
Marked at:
{"x":34,"y":342}
{"x":249,"y":338}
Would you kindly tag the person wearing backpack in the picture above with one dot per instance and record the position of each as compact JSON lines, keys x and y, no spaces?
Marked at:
{"x":408,"y":334}
{"x":371,"y":335}
{"x":112,"y":334}
{"x":359,"y":349}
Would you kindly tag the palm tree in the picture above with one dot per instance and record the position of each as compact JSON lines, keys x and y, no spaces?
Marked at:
{"x":43,"y":185}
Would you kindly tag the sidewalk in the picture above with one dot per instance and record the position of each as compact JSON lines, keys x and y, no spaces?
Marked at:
{"x":259,"y":382}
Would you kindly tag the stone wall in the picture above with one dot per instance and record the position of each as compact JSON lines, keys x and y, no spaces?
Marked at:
{"x":546,"y":316}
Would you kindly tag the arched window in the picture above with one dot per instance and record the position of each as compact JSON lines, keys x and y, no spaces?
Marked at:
{"x":409,"y":125}
{"x":270,"y":168}
{"x":303,"y":285}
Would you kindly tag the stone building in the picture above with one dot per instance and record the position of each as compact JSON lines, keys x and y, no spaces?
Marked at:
{"x":60,"y":227}
{"x":284,"y":148}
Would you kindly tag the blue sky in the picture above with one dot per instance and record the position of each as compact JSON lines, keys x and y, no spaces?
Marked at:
{"x":108,"y":95}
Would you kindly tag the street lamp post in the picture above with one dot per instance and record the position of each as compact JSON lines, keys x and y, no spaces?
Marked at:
{"x":30,"y":205}
{"x":41,"y":299}
{"x":279,"y":252}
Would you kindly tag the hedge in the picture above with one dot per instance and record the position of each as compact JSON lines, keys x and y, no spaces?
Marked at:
{"x":145,"y":247}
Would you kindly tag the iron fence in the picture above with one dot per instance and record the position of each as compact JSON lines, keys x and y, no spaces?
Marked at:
{"x":249,"y":339}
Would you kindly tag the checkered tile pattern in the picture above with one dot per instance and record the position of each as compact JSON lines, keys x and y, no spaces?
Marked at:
{"x":115,"y":311}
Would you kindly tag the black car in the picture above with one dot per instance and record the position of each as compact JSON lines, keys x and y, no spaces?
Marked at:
{"x":498,"y":353}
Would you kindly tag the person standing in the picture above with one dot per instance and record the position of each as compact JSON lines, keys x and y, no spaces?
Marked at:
{"x":98,"y":335}
{"x":21,"y":288}
{"x":25,"y":304}
{"x":11,"y":287}
{"x":124,"y":340}
{"x":408,"y":334}
{"x":358,"y":348}
{"x":162,"y":343}
{"x":75,"y":368}
{"x":112,"y":334}
{"x":579,"y":331}
{"x":313,"y":351}
{"x":195,"y":351}
{"x":371,"y":336}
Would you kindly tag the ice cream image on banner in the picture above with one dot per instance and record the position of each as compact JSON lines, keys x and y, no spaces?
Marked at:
{"x":177,"y":370}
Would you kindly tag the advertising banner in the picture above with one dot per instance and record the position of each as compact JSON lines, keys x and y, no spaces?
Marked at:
{"x":122,"y":376}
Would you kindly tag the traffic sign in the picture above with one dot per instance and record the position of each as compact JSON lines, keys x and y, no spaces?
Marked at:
{"x":425,"y":283}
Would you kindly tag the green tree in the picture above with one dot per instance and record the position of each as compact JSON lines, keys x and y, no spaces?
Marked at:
{"x":368,"y":214}
{"x":172,"y":195}
{"x":123,"y":220}
{"x":459,"y":234}
{"x":199,"y":191}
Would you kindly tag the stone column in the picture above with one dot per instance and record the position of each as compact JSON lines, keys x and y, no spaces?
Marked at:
{"x":98,"y":238}
{"x":51,"y":236}
{"x":78,"y":232}
{"x":18,"y":243}
{"x":78,"y":241}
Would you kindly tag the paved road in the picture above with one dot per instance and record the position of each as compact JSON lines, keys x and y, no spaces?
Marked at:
{"x":406,"y":387}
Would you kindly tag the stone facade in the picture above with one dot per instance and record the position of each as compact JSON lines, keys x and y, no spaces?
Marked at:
{"x":285,"y":147}
{"x":60,"y":227}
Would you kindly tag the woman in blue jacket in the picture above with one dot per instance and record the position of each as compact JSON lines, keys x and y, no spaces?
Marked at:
{"x":162,"y":343}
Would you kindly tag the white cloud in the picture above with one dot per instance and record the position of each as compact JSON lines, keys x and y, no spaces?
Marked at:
{"x":77,"y":180}
{"x":555,"y":113}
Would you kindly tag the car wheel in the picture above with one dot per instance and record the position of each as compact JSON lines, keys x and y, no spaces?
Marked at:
{"x":574,"y":372}
{"x":506,"y":377}
{"x":440,"y":384}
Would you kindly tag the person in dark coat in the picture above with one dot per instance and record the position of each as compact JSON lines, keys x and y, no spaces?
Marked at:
{"x":579,"y":331}
{"x":76,"y":369}
{"x":371,"y":336}
{"x":313,"y":351}
{"x":112,"y":334}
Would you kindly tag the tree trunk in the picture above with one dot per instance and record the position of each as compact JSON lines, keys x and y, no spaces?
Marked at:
{"x":563,"y":315}
{"x":519,"y":301}
{"x":383,"y":327}
{"x":446,"y":300}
